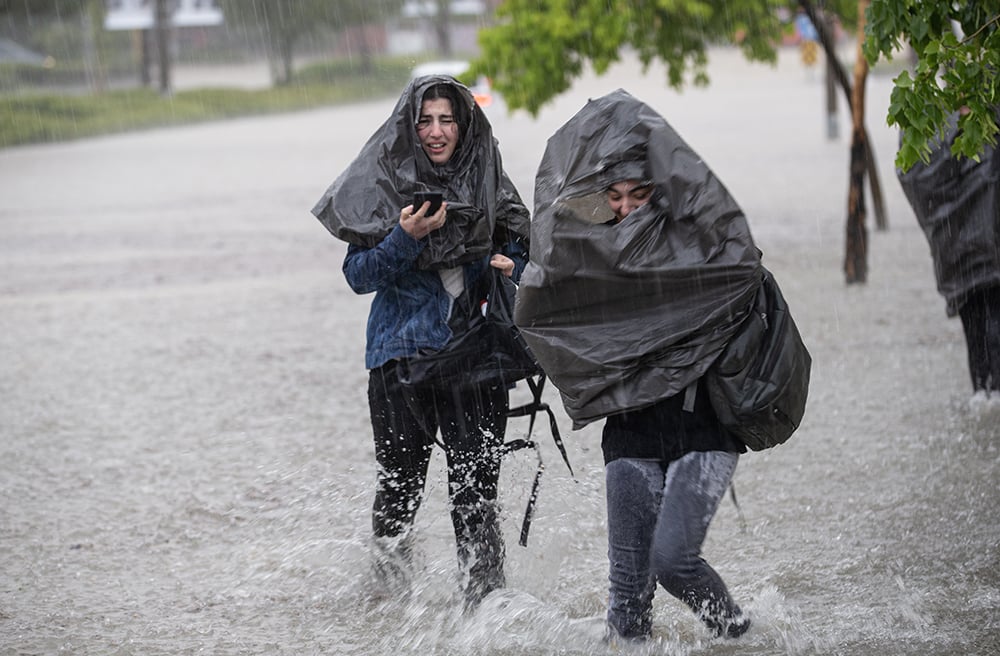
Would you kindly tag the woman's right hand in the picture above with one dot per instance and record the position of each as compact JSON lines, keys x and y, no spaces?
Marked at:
{"x":417,"y":225}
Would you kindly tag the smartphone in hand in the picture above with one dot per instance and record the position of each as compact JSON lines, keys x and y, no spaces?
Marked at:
{"x":434,"y":197}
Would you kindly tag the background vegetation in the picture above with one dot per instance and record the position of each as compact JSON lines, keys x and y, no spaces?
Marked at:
{"x":53,"y":116}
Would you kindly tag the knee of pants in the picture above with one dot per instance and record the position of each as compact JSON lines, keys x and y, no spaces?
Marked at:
{"x":474,"y":517}
{"x":675,"y":568}
{"x":473,"y":483}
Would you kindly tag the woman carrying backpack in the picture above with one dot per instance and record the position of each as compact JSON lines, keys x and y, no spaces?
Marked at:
{"x":642,"y":268}
{"x":422,"y":263}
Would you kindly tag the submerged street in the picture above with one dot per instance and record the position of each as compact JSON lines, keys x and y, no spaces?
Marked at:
{"x":186,"y":462}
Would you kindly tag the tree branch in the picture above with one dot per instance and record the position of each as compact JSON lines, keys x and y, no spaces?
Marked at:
{"x":829,"y":47}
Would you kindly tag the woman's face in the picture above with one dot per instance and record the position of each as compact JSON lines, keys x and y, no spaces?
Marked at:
{"x":437,"y":130}
{"x":628,"y":195}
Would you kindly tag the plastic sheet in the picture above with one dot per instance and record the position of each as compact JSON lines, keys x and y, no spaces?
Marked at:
{"x":957,"y":203}
{"x":622,"y":316}
{"x":362,"y":205}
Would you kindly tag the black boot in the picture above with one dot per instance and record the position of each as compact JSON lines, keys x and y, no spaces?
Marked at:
{"x":392,"y":566}
{"x":732,"y":627}
{"x":480,"y":551}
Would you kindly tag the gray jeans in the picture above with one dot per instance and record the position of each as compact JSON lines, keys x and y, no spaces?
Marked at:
{"x":658,"y":517}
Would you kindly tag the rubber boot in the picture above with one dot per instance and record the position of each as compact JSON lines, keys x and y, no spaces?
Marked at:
{"x":480,"y":551}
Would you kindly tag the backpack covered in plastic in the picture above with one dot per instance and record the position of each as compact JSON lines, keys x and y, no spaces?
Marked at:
{"x":486,"y":348}
{"x":759,"y":383}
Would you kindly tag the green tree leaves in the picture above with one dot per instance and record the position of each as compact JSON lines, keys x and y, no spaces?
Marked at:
{"x":957,"y":46}
{"x":540,"y":46}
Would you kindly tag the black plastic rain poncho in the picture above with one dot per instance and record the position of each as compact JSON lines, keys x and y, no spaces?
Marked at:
{"x":622,"y":316}
{"x":957,"y":203}
{"x":362,"y":205}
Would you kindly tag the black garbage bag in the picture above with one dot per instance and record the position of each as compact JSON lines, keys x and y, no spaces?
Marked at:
{"x":759,"y":384}
{"x":487,"y":348}
{"x":957,"y":203}
{"x":623,"y":316}
{"x":362,"y":205}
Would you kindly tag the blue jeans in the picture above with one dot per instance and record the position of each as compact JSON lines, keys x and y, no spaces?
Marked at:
{"x":658,"y":516}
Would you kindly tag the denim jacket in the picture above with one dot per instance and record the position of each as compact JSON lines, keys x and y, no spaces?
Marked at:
{"x":410,"y":308}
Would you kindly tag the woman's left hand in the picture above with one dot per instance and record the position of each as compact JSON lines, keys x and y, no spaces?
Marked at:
{"x":504,"y":263}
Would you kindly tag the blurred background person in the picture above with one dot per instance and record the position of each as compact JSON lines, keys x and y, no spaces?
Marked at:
{"x":957,"y":203}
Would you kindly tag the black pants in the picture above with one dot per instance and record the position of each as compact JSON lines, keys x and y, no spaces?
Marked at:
{"x":472,"y":422}
{"x":981,"y":321}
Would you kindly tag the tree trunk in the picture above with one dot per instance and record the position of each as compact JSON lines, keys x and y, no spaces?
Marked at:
{"x":442,"y":25}
{"x":365,"y":50}
{"x":878,"y":200}
{"x":161,"y":23}
{"x":145,"y":59}
{"x":280,"y":49}
{"x":89,"y":51}
{"x":856,"y":258}
{"x":286,"y":59}
{"x":829,"y":47}
{"x":856,"y":250}
{"x":274,"y":60}
{"x":832,"y":123}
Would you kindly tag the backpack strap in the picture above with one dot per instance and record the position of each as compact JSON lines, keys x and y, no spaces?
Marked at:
{"x":690,"y":394}
{"x":531,"y":409}
{"x":736,"y":504}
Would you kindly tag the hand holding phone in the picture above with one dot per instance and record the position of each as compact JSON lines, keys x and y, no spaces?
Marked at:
{"x":419,"y":225}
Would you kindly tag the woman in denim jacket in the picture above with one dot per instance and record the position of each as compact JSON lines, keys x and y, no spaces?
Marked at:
{"x":418,"y":263}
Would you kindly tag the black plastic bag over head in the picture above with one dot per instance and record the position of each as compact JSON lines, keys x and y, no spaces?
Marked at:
{"x":957,"y":203}
{"x":363,"y":204}
{"x":623,"y":316}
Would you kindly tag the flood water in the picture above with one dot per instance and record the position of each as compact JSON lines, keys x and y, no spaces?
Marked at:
{"x":186,"y":462}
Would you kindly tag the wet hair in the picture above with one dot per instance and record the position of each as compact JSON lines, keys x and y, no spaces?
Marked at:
{"x":634,"y":169}
{"x":459,"y":108}
{"x":640,"y":183}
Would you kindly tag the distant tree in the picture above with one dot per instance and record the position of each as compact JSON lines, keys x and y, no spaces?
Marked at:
{"x":24,"y":10}
{"x":350,"y":13}
{"x":161,"y":27}
{"x":538,"y":47}
{"x":442,"y":26}
{"x":88,"y":15}
{"x":957,"y":49}
{"x":284,"y":23}
{"x":16,"y":16}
